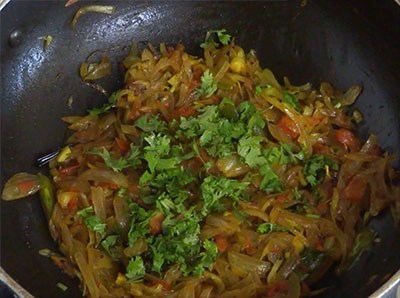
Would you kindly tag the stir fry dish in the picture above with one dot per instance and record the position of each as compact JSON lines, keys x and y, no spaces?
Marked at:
{"x":206,"y":177}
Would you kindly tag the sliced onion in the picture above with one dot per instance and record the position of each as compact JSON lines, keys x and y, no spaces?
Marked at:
{"x":94,"y":71}
{"x":231,"y":166}
{"x":121,"y":209}
{"x":242,"y":264}
{"x":139,"y":247}
{"x":99,"y":203}
{"x":87,"y":274}
{"x":351,"y":95}
{"x":20,"y":186}
{"x":98,"y":259}
{"x":106,"y":9}
{"x":105,"y":176}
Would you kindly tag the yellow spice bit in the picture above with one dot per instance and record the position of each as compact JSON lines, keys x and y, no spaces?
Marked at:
{"x":298,"y":244}
{"x":238,"y":65}
{"x":274,"y":270}
{"x":64,"y":198}
{"x":328,"y":174}
{"x":64,"y":154}
{"x":136,"y":289}
{"x":174,"y":81}
{"x":91,"y":166}
{"x":121,"y":279}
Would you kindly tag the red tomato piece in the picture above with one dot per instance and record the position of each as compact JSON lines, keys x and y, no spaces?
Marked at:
{"x":156,"y":223}
{"x":355,"y":189}
{"x":222,"y":243}
{"x":288,"y":126}
{"x":348,"y":139}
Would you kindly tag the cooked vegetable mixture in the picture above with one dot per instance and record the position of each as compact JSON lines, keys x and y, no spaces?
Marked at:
{"x":205,"y":177}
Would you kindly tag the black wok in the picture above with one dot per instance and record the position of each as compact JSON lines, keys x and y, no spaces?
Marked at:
{"x":343,"y":42}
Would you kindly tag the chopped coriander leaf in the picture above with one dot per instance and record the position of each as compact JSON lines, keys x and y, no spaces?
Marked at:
{"x":259,"y":86}
{"x":270,"y":182}
{"x":140,"y":223}
{"x":314,"y":169}
{"x":292,"y":157}
{"x":92,"y":221}
{"x":62,"y":286}
{"x":179,"y":242}
{"x":311,"y":215}
{"x":363,"y":241}
{"x":207,"y":257}
{"x":132,"y":159}
{"x":223,"y":37}
{"x":135,"y":270}
{"x":296,"y":193}
{"x":269,"y":227}
{"x":292,"y":100}
{"x":207,"y":87}
{"x":283,"y":154}
{"x":108,"y":242}
{"x":256,"y":124}
{"x":246,"y":109}
{"x":274,"y":155}
{"x":112,"y":101}
{"x":214,"y":188}
{"x":227,"y":109}
{"x":249,"y":150}
{"x":121,"y":192}
{"x":151,"y":124}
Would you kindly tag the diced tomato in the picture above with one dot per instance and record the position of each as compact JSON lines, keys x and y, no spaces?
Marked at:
{"x":222,"y":243}
{"x":84,"y":135}
{"x":249,"y":246}
{"x":135,"y":111}
{"x":70,"y":169}
{"x":215,"y":99}
{"x":305,"y":288}
{"x":376,"y":150}
{"x":281,"y":199}
{"x":165,"y":284}
{"x":192,"y":85}
{"x":170,"y":50}
{"x":112,"y":186}
{"x":277,"y":288}
{"x":185,"y":111}
{"x":348,"y":139}
{"x":134,"y":188}
{"x":319,"y":244}
{"x":156,"y":222}
{"x":288,"y":126}
{"x":355,"y":189}
{"x":180,"y":48}
{"x":122,"y":145}
{"x":26,"y":186}
{"x":320,"y":148}
{"x":314,"y":120}
{"x":197,"y":74}
{"x":93,"y":158}
{"x":322,"y":207}
{"x":203,"y":154}
{"x":58,"y":262}
{"x":341,"y":119}
{"x":72,"y":203}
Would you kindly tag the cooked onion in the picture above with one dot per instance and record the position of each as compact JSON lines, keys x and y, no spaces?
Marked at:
{"x":20,"y":186}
